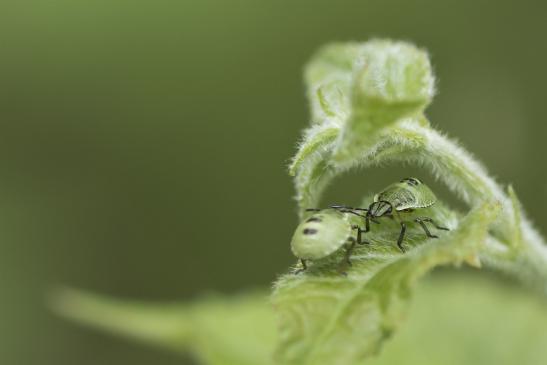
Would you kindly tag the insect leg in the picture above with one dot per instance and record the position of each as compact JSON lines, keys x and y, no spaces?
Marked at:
{"x":347,"y":255}
{"x":304,"y":267}
{"x":349,"y":250}
{"x":360,"y":240}
{"x":430,"y":220}
{"x":401,"y":236}
{"x":313,"y":210}
{"x":367,"y":223}
{"x":421,"y":221}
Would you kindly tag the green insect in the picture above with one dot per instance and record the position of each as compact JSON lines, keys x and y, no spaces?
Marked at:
{"x":402,"y":201}
{"x":325,"y":232}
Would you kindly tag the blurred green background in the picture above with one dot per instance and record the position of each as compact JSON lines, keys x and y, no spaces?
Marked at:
{"x":144,"y":145}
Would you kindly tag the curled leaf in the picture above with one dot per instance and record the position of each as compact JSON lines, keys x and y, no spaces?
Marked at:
{"x":327,"y":318}
{"x":391,"y":80}
{"x":367,"y":102}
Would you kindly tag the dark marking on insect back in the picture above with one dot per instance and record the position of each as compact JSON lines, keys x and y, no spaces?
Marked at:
{"x":310,"y":231}
{"x":411,"y":181}
{"x":314,"y":219}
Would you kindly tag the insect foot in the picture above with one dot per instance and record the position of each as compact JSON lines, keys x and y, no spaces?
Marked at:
{"x":304,"y":267}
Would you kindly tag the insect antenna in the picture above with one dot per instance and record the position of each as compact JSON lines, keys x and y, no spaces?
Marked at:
{"x":352,"y":212}
{"x":346,"y":207}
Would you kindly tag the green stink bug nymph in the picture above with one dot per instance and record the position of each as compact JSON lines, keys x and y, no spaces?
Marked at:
{"x":325,"y":232}
{"x":403,"y":201}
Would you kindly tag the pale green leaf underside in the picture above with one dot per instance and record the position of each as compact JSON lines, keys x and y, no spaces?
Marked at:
{"x":519,"y":249}
{"x":469,"y":319}
{"x":493,"y":313}
{"x":327,"y":318}
{"x":367,"y":102}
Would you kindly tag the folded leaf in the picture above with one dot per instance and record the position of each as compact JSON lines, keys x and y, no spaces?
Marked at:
{"x":327,"y":318}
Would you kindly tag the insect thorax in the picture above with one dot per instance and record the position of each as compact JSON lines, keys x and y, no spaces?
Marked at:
{"x":399,"y":197}
{"x":404,"y":196}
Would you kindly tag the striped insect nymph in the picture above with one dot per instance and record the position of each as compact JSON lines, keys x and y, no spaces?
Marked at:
{"x":327,"y":231}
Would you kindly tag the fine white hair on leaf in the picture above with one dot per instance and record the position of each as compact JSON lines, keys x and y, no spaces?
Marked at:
{"x":337,"y":144}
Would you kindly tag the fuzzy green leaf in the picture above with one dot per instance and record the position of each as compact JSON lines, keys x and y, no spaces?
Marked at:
{"x":383,"y":124}
{"x":367,"y":101}
{"x":327,"y":318}
{"x":391,"y":80}
{"x":356,"y":90}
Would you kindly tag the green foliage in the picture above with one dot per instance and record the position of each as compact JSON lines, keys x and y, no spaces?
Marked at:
{"x":216,"y":330}
{"x":452,"y":320}
{"x":327,"y":318}
{"x":469,"y":319}
{"x":367,"y":102}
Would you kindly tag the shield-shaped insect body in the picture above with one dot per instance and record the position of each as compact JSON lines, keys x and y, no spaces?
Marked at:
{"x":404,"y":201}
{"x":325,"y":232}
{"x":409,"y":193}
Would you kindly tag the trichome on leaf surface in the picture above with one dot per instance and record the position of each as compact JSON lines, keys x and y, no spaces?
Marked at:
{"x":367,"y":109}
